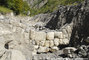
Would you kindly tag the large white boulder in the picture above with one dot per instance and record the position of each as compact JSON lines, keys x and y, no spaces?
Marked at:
{"x":50,"y":35}
{"x":17,"y":55}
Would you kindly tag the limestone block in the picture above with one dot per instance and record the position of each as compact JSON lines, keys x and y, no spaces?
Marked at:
{"x":40,"y":36}
{"x":69,"y":29}
{"x":1,"y":17}
{"x":51,"y":43}
{"x":56,"y":34}
{"x":64,"y":31}
{"x":42,"y":43}
{"x":56,"y":41}
{"x":66,"y":41}
{"x":50,"y":35}
{"x":46,"y":44}
{"x":43,"y":49}
{"x":59,"y":35}
{"x":66,"y":36}
{"x":60,"y":41}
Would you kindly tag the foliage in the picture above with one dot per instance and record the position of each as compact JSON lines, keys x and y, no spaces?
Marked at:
{"x":18,"y":6}
{"x":52,"y":5}
{"x":21,"y":7}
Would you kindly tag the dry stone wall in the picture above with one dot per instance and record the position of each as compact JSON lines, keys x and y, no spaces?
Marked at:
{"x":30,"y":36}
{"x":50,"y":40}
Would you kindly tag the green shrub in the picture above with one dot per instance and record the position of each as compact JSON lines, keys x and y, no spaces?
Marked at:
{"x":15,"y":5}
{"x":25,"y":8}
{"x":18,"y":6}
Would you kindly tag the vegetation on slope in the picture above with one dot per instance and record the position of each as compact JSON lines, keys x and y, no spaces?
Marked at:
{"x":52,"y":5}
{"x":18,"y":6}
{"x":4,"y":10}
{"x":21,"y":7}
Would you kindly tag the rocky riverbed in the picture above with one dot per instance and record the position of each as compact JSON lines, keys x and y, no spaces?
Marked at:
{"x":61,"y":34}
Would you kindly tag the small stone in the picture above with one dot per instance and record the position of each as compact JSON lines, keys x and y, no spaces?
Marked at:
{"x":32,"y":34}
{"x":87,"y":40}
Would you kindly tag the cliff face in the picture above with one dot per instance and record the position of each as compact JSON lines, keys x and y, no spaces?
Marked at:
{"x":78,"y":14}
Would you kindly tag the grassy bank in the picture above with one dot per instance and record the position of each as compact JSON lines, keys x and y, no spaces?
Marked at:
{"x":4,"y":10}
